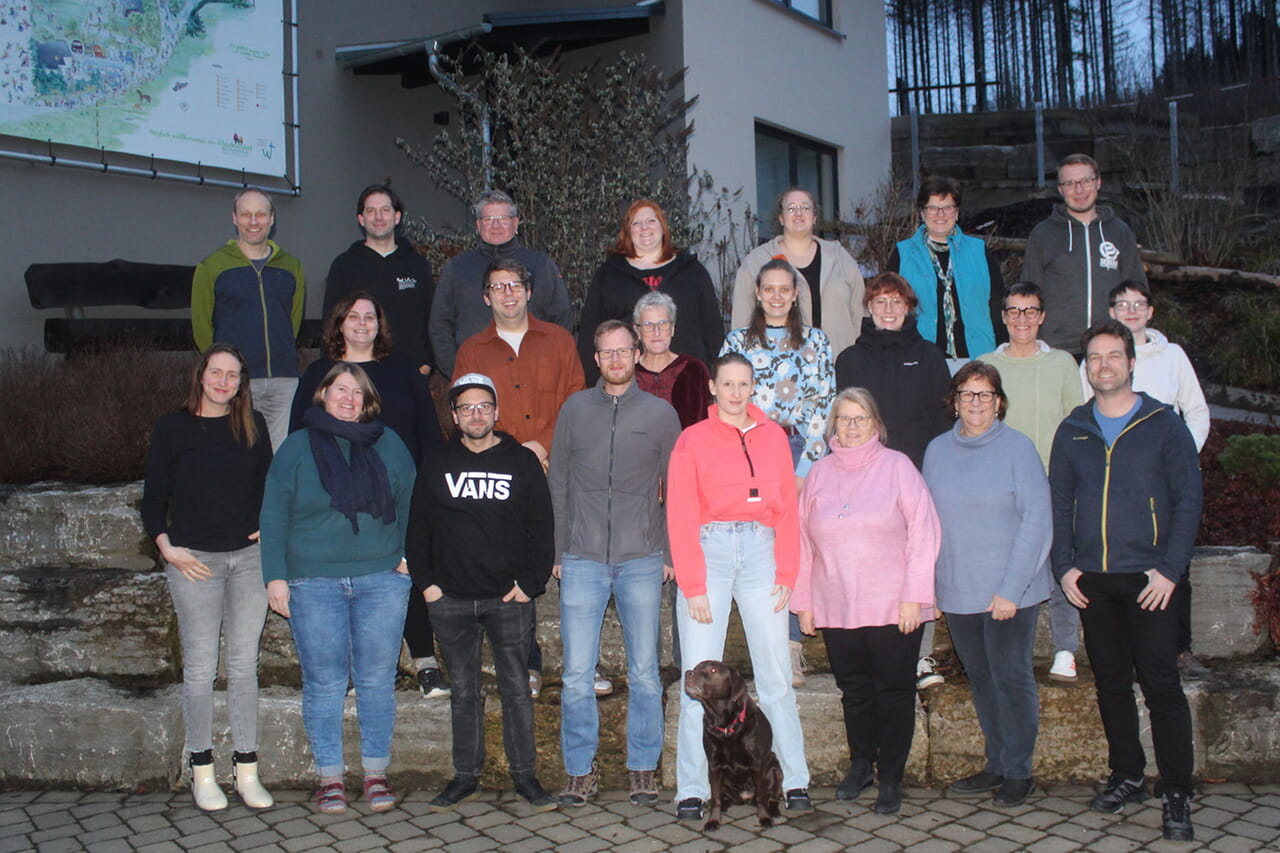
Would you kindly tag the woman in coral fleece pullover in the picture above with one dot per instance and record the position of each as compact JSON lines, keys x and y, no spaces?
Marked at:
{"x":732,"y":522}
{"x":869,"y":540}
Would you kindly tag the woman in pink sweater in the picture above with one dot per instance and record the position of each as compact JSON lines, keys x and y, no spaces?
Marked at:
{"x":869,"y":540}
{"x":733,"y":526}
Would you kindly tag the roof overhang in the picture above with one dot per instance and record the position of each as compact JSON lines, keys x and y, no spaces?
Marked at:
{"x":501,"y":32}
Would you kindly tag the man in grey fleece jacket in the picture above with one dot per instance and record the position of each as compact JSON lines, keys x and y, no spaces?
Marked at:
{"x":608,"y":461}
{"x":1078,"y":254}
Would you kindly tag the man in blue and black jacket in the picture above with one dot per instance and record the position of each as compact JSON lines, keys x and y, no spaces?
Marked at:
{"x":1127,"y":494}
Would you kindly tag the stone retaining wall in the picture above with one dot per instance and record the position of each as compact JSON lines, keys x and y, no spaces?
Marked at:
{"x":91,"y":668}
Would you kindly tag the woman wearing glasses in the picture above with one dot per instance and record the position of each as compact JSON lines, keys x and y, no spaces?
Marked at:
{"x":957,"y":281}
{"x":641,"y":261}
{"x":675,"y":377}
{"x":830,"y":295}
{"x":903,"y":371}
{"x":993,"y":571}
{"x":869,"y":539}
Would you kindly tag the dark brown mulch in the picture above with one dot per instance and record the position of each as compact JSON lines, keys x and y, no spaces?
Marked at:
{"x":1237,"y":510}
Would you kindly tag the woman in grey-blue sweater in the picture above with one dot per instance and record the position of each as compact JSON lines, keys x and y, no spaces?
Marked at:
{"x":993,"y":571}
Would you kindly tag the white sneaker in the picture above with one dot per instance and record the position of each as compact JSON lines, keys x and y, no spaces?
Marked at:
{"x":1064,"y":667}
{"x":601,"y":685}
{"x":925,"y":676}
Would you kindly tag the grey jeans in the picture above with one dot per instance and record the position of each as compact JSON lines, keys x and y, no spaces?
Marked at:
{"x":273,"y":397}
{"x":232,"y":603}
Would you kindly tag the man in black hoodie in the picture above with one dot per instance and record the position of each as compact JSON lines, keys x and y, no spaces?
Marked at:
{"x":388,"y":267}
{"x":480,"y":547}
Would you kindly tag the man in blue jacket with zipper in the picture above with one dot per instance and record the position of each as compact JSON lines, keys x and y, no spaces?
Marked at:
{"x":1127,"y":495}
{"x":251,"y":294}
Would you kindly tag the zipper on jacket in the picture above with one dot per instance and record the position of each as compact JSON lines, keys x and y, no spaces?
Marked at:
{"x":742,"y":437}
{"x":1155,"y":526}
{"x":608,"y":506}
{"x":262,"y":298}
{"x":1106,"y":484}
{"x":1088,"y":278}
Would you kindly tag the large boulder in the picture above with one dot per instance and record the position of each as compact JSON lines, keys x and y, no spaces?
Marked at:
{"x":65,"y":525}
{"x":67,"y":623}
{"x":1239,"y":723}
{"x":86,"y":734}
{"x":1222,"y":624}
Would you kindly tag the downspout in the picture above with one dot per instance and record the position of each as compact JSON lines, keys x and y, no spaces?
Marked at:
{"x":449,"y":84}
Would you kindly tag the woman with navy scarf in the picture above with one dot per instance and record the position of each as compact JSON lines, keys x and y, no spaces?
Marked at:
{"x":958,"y":282}
{"x":333,"y":528}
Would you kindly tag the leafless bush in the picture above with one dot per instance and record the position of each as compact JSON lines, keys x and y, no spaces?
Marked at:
{"x":86,"y":419}
{"x":882,"y":219}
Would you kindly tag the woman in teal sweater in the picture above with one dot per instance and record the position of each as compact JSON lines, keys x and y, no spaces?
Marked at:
{"x":333,"y":526}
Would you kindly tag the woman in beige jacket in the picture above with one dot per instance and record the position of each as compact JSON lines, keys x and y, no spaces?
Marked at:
{"x":824,"y":266}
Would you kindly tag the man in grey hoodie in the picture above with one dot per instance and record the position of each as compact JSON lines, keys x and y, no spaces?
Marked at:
{"x":608,"y":461}
{"x":1078,"y":254}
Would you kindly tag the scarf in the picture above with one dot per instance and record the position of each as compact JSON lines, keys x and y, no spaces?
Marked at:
{"x":360,"y":485}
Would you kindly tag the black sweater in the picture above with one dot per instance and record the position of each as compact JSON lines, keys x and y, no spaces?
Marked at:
{"x":407,"y":407}
{"x":401,"y":282}
{"x":616,"y":287}
{"x":907,"y":376}
{"x":481,"y":522}
{"x":203,"y":487}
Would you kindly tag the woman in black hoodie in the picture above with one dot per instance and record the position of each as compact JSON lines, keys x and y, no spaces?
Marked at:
{"x":642,"y":261}
{"x":906,"y":374}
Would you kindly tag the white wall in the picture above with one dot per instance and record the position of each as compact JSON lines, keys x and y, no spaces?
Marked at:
{"x":750,"y":59}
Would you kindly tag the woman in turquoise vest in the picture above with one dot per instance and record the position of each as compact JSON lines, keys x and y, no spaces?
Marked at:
{"x":956,"y":279}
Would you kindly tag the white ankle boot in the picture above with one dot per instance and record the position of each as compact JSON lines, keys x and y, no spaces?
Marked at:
{"x":204,"y":788}
{"x":251,"y":792}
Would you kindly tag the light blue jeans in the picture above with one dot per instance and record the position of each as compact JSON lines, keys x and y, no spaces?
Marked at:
{"x":232,"y":603}
{"x":740,"y":567}
{"x":349,"y":628}
{"x":585,"y":589}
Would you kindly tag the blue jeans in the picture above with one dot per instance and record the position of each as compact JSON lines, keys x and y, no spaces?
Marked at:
{"x":232,"y":603}
{"x":585,"y":589}
{"x":740,"y":567}
{"x":349,"y":628}
{"x":997,"y":657}
{"x":461,"y":625}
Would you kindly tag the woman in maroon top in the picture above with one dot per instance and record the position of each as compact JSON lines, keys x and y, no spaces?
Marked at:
{"x":675,"y":377}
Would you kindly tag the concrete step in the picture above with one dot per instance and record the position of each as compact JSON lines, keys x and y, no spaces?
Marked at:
{"x":85,"y":733}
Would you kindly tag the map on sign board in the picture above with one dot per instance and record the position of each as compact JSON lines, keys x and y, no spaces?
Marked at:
{"x":196,"y":81}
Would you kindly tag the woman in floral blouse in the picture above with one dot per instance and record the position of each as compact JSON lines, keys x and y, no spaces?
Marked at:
{"x":794,"y":376}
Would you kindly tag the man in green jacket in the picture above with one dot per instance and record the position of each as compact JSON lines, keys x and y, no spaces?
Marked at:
{"x":251,"y":294}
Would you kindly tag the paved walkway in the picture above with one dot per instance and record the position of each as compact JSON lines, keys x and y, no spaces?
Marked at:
{"x":1228,"y":817}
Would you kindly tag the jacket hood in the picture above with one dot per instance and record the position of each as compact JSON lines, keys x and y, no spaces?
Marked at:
{"x":232,"y":249}
{"x":1156,"y":342}
{"x":619,"y":264}
{"x":1061,"y":214}
{"x":884,"y":339}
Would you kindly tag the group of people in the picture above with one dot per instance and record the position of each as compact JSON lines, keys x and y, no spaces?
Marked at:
{"x":852,"y":458}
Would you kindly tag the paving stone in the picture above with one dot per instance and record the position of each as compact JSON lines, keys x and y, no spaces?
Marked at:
{"x":41,"y":836}
{"x":1239,"y":827}
{"x":451,"y":832}
{"x":256,"y":840}
{"x":759,"y":845}
{"x":400,"y":830}
{"x":1022,"y":835}
{"x":993,"y":845}
{"x":154,"y":836}
{"x":160,"y":847}
{"x":207,"y":837}
{"x":314,"y":841}
{"x":617,"y":833}
{"x":642,"y":845}
{"x":1234,"y":844}
{"x":417,"y":845}
{"x":824,"y":845}
{"x":1052,"y":844}
{"x":61,"y":845}
{"x":563,"y":833}
{"x":118,"y":845}
{"x":935,"y":845}
{"x":698,"y":847}
{"x":1234,"y":805}
{"x":102,"y":836}
{"x":904,"y":835}
{"x":472,"y":845}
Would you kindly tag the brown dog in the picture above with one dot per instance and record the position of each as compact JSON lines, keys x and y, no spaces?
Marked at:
{"x":738,"y":741}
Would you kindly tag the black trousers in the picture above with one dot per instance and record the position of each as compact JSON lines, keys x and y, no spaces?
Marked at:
{"x":875,"y":669}
{"x":1123,"y":638}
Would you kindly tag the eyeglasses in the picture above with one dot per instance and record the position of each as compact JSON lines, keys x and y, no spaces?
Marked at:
{"x":886,"y":303}
{"x":655,"y":325}
{"x":490,"y":220}
{"x":506,"y":286}
{"x":1030,"y":312}
{"x":474,"y":408}
{"x":981,"y":396}
{"x":860,"y":421}
{"x":793,"y":209}
{"x":1128,"y":305}
{"x":610,"y":354}
{"x":940,"y":209}
{"x":1082,"y":183}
